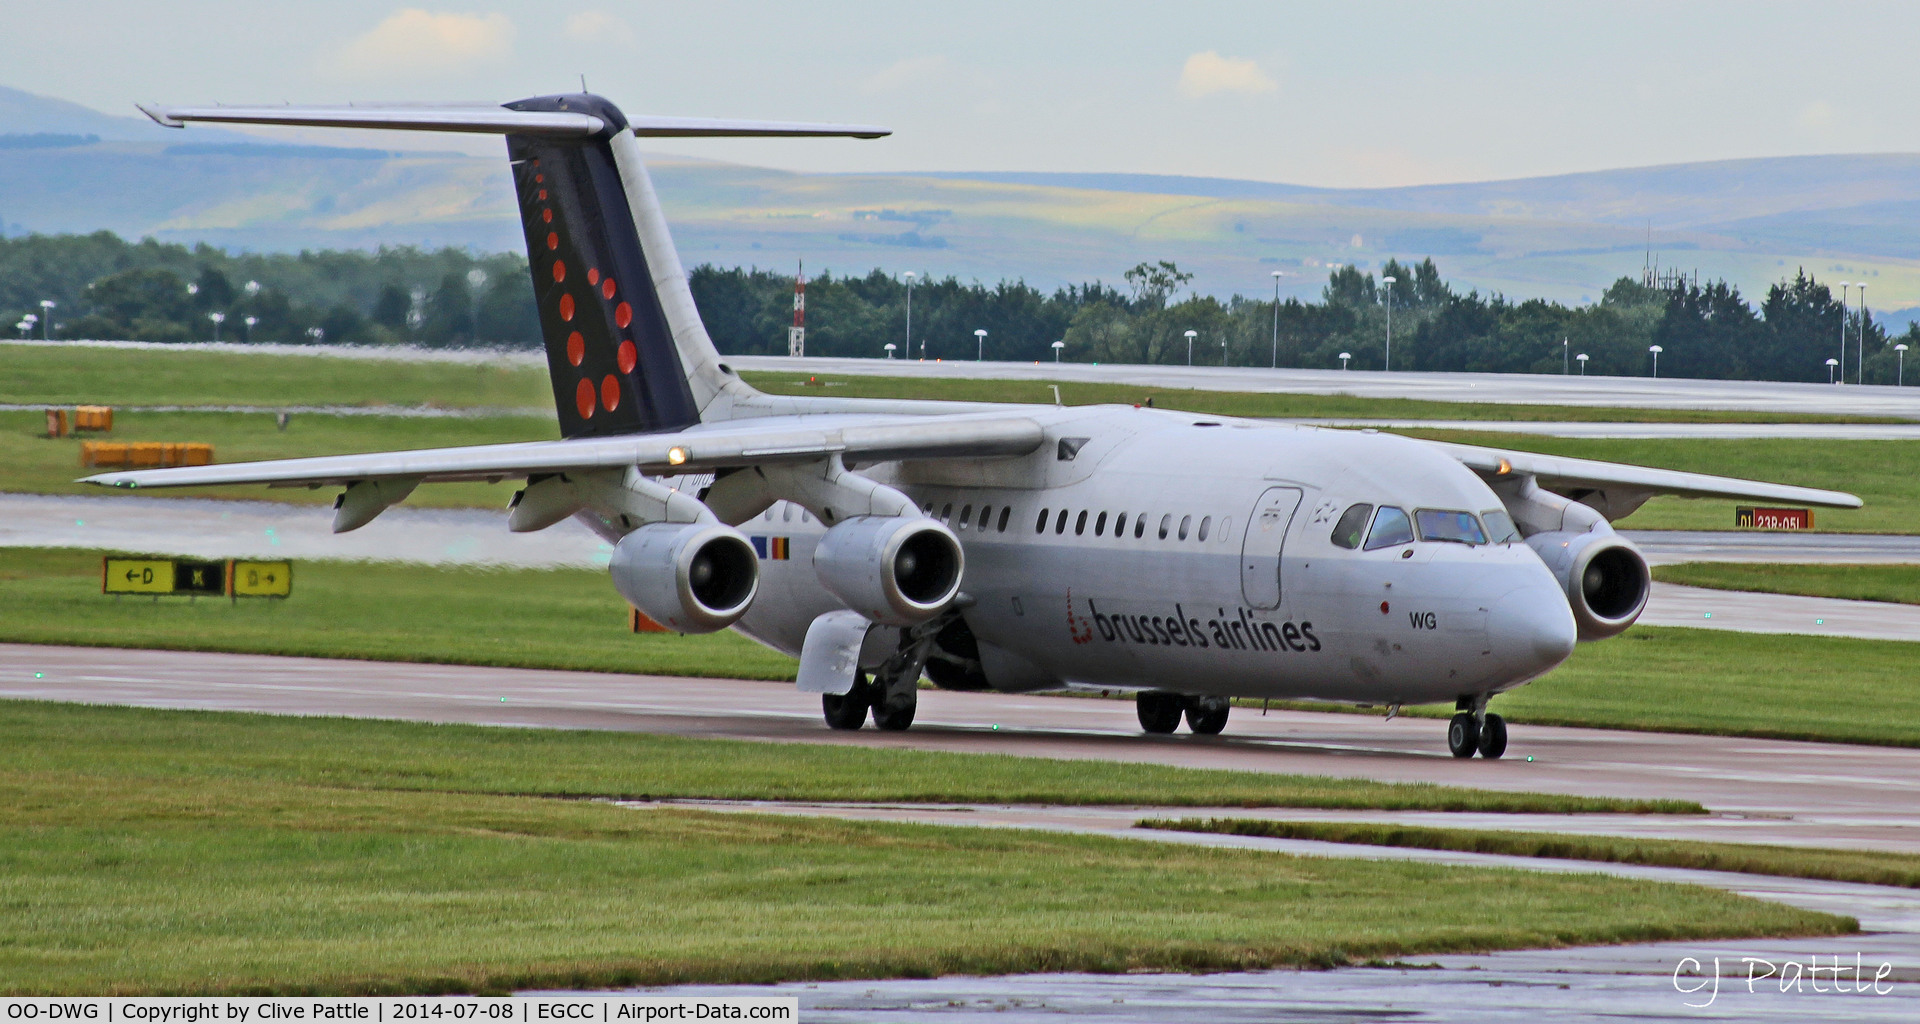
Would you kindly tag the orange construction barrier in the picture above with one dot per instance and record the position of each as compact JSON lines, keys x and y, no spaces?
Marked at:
{"x":143,"y":455}
{"x":93,"y":417}
{"x":56,"y":422}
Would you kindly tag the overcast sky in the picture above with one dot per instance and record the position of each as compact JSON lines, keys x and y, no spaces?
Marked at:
{"x":1339,"y":94}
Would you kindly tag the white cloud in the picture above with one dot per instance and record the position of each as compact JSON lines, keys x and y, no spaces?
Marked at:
{"x":598,"y":27}
{"x":412,"y":43}
{"x":907,"y":73}
{"x":1208,"y":73}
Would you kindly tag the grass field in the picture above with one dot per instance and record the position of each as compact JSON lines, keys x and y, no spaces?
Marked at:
{"x":184,"y":852}
{"x":348,"y":753}
{"x":1870,"y":867}
{"x":1894,"y":584}
{"x":1673,"y":680}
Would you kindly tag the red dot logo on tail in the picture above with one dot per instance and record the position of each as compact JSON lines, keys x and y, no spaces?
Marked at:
{"x":583,"y":397}
{"x":623,"y":314}
{"x":593,"y":275}
{"x":566,"y":308}
{"x":606,"y":288}
{"x":576,"y":348}
{"x":627,"y":356}
{"x":559,"y":271}
{"x":553,"y":241}
{"x":610,"y":392}
{"x":546,"y":216}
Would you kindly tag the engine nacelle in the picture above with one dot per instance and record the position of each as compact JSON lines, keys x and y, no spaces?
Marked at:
{"x":688,"y":577}
{"x":891,"y":569}
{"x":1605,"y":578}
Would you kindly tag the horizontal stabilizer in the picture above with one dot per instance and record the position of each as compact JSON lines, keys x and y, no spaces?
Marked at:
{"x":496,"y":120}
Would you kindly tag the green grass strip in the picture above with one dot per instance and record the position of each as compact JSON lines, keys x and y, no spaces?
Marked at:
{"x":1893,"y":584}
{"x":216,"y":884}
{"x":364,"y":754}
{"x":1866,"y":866}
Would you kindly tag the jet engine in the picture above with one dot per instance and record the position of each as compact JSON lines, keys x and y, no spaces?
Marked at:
{"x":688,"y":577}
{"x":891,"y":569}
{"x":1605,"y":578}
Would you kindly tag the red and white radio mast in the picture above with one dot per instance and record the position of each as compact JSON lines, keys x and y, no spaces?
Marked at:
{"x":797,"y":334}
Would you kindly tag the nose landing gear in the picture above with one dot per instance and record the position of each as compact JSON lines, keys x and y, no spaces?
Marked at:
{"x":1475,"y":731}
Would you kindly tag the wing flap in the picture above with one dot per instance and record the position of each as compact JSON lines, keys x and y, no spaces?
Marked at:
{"x":1561,"y":475}
{"x":743,"y":443}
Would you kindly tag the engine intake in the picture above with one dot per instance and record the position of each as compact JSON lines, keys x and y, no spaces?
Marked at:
{"x":1605,"y":578}
{"x":891,"y":569}
{"x":689,"y":577}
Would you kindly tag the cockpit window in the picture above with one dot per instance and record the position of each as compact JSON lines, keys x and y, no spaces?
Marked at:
{"x":1500,"y":528}
{"x":1352,"y":526}
{"x":1451,"y":526}
{"x":1390,"y":527}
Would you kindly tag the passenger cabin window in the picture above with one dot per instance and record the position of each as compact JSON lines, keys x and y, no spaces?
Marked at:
{"x":966,"y":516}
{"x":1185,"y":522}
{"x":1040,"y":524}
{"x":1100,"y":525}
{"x":946,"y":513}
{"x":1500,"y":528}
{"x":986,"y":515}
{"x":1205,"y":525}
{"x":1352,"y":526}
{"x":1390,"y":527}
{"x":1139,"y":526}
{"x":1166,"y":525}
{"x":1120,"y":524}
{"x":1080,"y":523}
{"x":1060,"y":522}
{"x":1005,"y":511}
{"x":1449,"y":526}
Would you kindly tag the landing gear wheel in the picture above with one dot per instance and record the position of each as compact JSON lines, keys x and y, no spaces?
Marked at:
{"x":1206,"y":716}
{"x":848,"y":711}
{"x":1463,"y":735}
{"x":1493,"y":737}
{"x":1159,"y":710}
{"x":893,"y":714}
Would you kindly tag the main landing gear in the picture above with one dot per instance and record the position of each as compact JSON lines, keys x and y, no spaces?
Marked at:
{"x":1160,"y":712}
{"x":1473,"y":730}
{"x":892,"y":692}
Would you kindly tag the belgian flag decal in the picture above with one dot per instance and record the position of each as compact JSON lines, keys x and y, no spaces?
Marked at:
{"x":771,"y":549}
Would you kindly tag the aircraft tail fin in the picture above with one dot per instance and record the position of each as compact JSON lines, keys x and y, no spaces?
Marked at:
{"x":626,"y":350}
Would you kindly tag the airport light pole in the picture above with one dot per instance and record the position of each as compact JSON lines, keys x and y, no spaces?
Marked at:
{"x":1344,"y":356}
{"x":46,"y":320}
{"x":1656,"y":350}
{"x":1831,"y":363}
{"x":218,"y":319}
{"x":1388,"y":281}
{"x":1582,"y":357}
{"x":1058,"y":345}
{"x":316,"y":334}
{"x":1900,"y":374}
{"x":980,"y":350}
{"x":1190,"y":336}
{"x":250,"y":321}
{"x":890,"y":346}
{"x":910,"y":275}
{"x":1563,"y":357}
{"x":476,"y":279}
{"x":1860,"y":350}
{"x":1844,"y":285}
{"x":1277,"y":275}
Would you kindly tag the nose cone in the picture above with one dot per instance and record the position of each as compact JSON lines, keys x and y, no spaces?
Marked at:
{"x":1531,"y":630}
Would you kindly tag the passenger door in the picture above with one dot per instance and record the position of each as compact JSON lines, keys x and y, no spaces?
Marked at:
{"x":1260,"y":551}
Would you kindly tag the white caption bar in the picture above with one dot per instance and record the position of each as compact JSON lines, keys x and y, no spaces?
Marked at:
{"x":382,"y":1010}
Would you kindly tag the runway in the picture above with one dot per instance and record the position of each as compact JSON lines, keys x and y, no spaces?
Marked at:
{"x":1495,"y":388}
{"x":1652,"y":431}
{"x":1758,"y":791}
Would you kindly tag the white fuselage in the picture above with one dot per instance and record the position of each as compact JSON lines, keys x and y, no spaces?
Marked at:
{"x":1157,"y":549}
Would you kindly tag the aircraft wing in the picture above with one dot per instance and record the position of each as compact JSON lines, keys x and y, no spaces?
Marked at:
{"x":697,"y":449}
{"x":1616,"y":489}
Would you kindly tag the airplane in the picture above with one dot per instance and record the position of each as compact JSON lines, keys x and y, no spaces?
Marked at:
{"x":1189,"y":559}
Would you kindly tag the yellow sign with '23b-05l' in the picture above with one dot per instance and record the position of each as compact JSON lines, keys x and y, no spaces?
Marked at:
{"x":232,"y":578}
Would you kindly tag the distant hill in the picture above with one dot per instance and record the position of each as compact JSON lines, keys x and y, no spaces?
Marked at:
{"x":1565,"y":237}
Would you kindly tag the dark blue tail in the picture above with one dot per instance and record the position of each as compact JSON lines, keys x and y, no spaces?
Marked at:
{"x":610,"y":352}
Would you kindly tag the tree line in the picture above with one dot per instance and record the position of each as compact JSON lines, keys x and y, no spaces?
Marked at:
{"x":105,"y":287}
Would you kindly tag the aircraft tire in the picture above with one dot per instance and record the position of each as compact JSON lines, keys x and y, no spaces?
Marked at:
{"x":1206,"y":716}
{"x":848,"y":711}
{"x":1493,"y":737}
{"x":1463,"y":735}
{"x":1159,"y":711}
{"x":894,"y":715}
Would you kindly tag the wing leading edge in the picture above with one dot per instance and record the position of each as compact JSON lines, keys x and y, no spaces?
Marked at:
{"x":700,"y":449}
